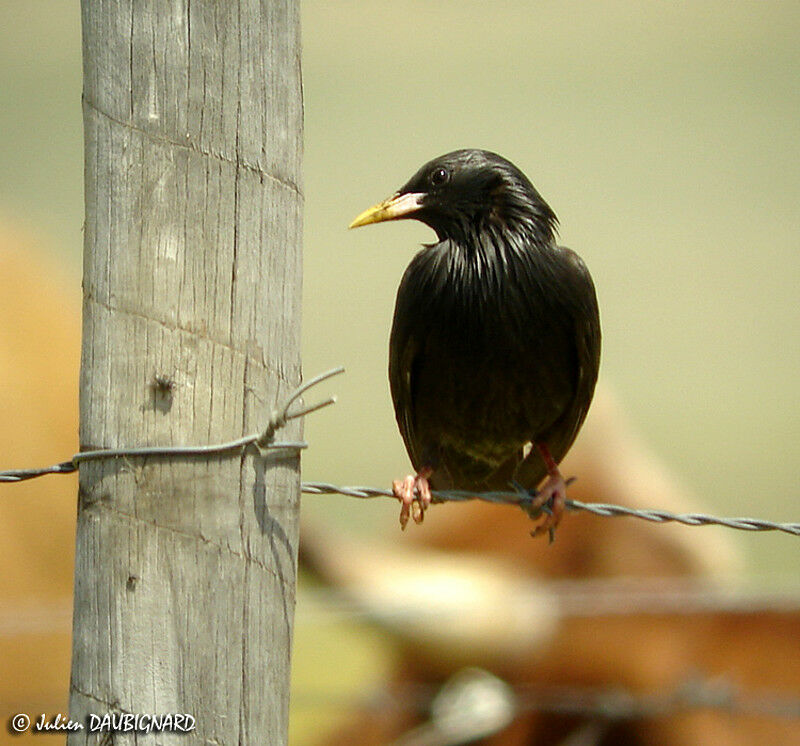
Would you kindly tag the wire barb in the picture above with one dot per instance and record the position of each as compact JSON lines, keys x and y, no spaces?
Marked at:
{"x":263,"y":440}
{"x":523,"y":500}
{"x":279,"y":419}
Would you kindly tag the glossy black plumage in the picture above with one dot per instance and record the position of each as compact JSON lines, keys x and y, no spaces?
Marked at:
{"x":495,"y":343}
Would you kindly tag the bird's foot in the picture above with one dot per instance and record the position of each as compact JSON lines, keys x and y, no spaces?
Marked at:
{"x":551,"y":499}
{"x":414,"y":492}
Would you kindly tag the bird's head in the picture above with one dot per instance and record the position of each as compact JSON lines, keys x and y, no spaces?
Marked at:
{"x":468,"y":191}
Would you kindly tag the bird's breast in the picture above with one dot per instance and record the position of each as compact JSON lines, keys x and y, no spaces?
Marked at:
{"x":493,"y":356}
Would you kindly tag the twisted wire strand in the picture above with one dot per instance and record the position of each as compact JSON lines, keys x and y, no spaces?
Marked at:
{"x":605,"y":510}
{"x":262,"y":440}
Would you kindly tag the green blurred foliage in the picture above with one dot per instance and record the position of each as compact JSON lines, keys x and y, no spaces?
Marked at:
{"x":666,"y":138}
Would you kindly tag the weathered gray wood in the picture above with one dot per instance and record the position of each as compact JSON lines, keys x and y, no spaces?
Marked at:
{"x":185,"y":568}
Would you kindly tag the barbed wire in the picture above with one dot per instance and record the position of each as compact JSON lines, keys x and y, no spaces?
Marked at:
{"x":263,"y":440}
{"x":524,"y":500}
{"x":474,"y":703}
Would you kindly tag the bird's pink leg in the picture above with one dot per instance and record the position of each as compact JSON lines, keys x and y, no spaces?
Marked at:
{"x":553,"y":493}
{"x":414,"y":492}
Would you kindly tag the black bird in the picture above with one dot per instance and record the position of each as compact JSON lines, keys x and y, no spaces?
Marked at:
{"x":495,"y":345}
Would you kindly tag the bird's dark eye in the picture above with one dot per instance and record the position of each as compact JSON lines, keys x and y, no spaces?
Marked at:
{"x":439,"y":176}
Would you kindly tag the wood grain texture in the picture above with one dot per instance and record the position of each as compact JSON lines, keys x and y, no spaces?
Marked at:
{"x":185,"y":568}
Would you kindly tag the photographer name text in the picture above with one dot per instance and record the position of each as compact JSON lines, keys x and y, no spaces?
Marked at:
{"x":109,"y":722}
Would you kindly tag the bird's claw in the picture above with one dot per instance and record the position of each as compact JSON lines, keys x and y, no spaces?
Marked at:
{"x":414,"y":493}
{"x":550,"y":500}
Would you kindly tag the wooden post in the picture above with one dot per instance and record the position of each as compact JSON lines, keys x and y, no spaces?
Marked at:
{"x":185,"y":568}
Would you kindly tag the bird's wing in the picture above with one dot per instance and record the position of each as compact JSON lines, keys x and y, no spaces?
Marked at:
{"x":407,"y":353}
{"x":587,"y":343}
{"x":403,"y":362}
{"x":584,"y":332}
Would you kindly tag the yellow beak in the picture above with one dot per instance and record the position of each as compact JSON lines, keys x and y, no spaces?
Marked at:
{"x":394,"y":208}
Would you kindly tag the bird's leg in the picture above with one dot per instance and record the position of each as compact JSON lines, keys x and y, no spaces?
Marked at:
{"x":414,"y":492}
{"x":553,"y":493}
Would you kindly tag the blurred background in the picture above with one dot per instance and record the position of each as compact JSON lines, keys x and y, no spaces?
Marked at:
{"x":664,"y":135}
